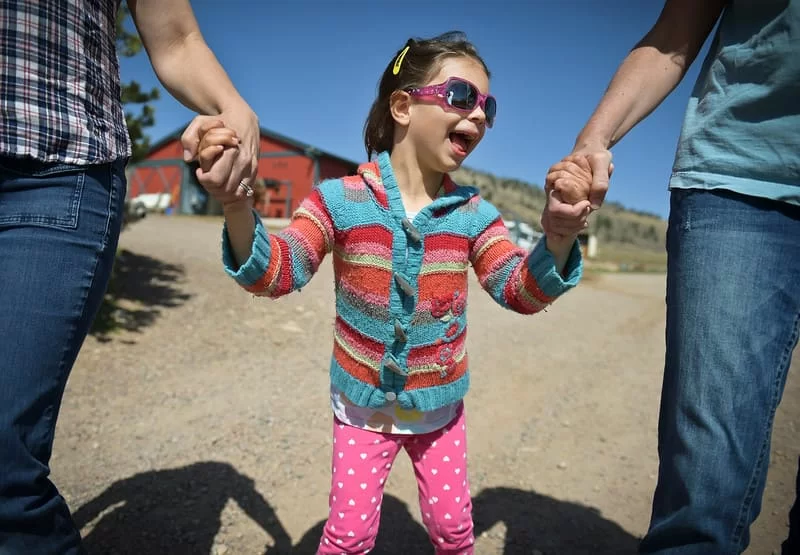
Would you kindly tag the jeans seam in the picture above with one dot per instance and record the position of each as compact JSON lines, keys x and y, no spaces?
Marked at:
{"x":783,"y":367}
{"x":83,"y":302}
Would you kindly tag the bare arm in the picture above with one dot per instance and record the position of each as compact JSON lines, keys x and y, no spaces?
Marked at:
{"x":652,"y":70}
{"x":180,"y":57}
{"x":191,"y":73}
{"x":645,"y":78}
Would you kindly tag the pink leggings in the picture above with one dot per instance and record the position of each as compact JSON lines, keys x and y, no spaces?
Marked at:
{"x":361,"y":463}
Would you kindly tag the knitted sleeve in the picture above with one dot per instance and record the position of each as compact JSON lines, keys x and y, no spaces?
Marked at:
{"x":518,"y":280}
{"x":283,"y":262}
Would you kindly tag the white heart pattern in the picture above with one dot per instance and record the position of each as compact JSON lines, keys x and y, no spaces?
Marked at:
{"x":351,"y":472}
{"x":351,"y":503}
{"x":363,"y":456}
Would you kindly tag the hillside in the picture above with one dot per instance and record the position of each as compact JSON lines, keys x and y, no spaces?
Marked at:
{"x":625,"y":236}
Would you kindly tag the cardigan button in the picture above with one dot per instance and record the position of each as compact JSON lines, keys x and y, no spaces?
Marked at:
{"x":404,"y":284}
{"x":399,"y":332}
{"x":412,"y":231}
{"x":391,"y":396}
{"x":394,"y":367}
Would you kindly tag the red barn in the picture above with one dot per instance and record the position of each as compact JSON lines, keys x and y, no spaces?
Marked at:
{"x":287,"y":171}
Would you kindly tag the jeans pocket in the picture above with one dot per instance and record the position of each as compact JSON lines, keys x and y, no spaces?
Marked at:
{"x":40,"y":194}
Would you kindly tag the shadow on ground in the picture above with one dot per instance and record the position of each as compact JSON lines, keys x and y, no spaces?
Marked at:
{"x":178,"y":511}
{"x":140,"y":288}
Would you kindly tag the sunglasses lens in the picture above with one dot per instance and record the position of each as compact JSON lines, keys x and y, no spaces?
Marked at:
{"x":461,"y":95}
{"x":490,"y":109}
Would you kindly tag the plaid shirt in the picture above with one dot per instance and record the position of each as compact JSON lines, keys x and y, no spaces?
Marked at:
{"x":59,"y":81}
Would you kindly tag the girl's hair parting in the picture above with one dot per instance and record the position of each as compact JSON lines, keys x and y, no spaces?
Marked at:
{"x":411,"y":66}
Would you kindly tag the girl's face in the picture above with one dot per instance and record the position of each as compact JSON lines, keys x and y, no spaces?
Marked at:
{"x":444,"y":136}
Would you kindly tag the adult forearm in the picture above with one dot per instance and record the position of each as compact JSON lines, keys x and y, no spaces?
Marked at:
{"x":192,"y":74}
{"x":651,"y":71}
{"x":640,"y":84}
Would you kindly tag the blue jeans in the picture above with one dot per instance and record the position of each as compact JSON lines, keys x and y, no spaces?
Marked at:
{"x":733,"y":305}
{"x":59,"y":227}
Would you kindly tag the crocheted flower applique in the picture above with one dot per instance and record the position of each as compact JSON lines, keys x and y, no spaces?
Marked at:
{"x":445,"y":359}
{"x":440,"y":308}
{"x":445,"y":308}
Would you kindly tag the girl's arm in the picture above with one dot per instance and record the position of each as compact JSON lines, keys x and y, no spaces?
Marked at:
{"x":520,"y":281}
{"x":273,"y":265}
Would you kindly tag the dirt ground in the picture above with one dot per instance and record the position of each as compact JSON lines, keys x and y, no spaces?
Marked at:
{"x":204,"y":426}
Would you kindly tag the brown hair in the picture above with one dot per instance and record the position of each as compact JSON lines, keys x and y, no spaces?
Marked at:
{"x":418,"y":64}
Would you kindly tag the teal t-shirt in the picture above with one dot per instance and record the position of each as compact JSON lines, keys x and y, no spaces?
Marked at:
{"x":741,"y":131}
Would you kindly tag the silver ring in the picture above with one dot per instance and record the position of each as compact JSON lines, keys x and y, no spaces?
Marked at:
{"x":247,"y":188}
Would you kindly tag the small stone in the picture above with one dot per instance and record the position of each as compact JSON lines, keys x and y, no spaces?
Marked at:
{"x":95,"y":445}
{"x":562,"y":465}
{"x":291,"y":327}
{"x":221,"y":549}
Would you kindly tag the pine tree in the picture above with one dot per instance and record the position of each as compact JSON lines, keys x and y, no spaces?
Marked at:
{"x":139,"y":114}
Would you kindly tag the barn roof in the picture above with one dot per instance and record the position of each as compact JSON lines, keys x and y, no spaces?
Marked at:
{"x":307,"y":149}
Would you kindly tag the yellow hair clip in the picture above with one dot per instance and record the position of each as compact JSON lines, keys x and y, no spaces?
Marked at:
{"x":399,"y":61}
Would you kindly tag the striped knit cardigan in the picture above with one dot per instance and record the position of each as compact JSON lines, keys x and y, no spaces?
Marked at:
{"x":401,"y":286}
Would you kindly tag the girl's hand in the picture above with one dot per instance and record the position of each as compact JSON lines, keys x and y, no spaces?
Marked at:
{"x":217,"y":150}
{"x":237,"y":165}
{"x":567,"y":209}
{"x":571,"y":178}
{"x":212,"y":143}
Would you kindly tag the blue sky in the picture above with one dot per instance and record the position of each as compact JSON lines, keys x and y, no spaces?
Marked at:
{"x":310,"y":68}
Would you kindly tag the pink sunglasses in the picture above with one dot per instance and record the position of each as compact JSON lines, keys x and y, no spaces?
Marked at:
{"x":460,"y":94}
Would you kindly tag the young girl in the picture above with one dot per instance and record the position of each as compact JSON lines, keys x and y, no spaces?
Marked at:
{"x":402,"y":236}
